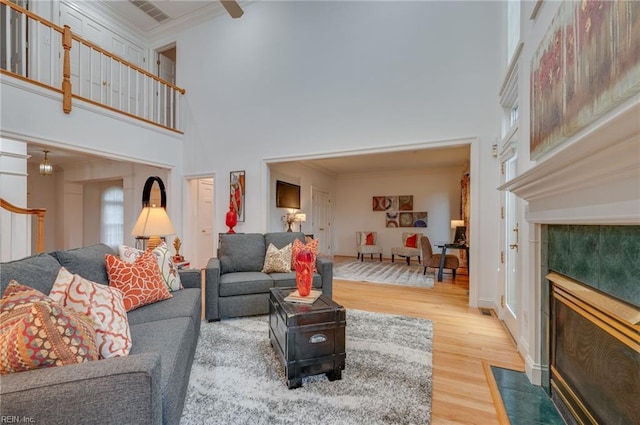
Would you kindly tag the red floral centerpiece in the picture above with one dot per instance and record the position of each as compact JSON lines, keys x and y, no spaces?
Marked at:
{"x":304,"y":272}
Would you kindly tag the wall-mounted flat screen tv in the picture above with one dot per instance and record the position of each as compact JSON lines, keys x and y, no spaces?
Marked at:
{"x":287,"y":195}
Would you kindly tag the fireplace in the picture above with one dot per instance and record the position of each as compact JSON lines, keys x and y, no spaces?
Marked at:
{"x":594,"y":354}
{"x":582,"y":208}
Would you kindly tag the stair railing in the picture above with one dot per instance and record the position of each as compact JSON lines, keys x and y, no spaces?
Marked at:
{"x":43,"y":53}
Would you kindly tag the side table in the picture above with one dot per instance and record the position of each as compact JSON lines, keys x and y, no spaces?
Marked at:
{"x":444,"y":252}
{"x":307,"y":338}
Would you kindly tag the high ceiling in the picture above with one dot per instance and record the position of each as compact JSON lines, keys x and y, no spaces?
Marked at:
{"x":153,"y":15}
{"x":181,"y":10}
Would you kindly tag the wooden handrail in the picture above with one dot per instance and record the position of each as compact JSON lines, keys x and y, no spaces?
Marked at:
{"x":40,"y":212}
{"x":66,"y":89}
{"x":32,"y":15}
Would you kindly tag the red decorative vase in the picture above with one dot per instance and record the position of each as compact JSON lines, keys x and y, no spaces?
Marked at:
{"x":231,"y":219}
{"x":304,"y":272}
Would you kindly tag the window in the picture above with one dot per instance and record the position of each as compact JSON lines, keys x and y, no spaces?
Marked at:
{"x":513,"y":28}
{"x":514,"y":115}
{"x":112,"y":214}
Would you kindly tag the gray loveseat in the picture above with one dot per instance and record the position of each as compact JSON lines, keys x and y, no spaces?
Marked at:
{"x":235,"y":284}
{"x":146,"y":387}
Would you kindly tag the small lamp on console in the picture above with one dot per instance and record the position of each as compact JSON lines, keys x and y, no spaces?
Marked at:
{"x":301,"y":218}
{"x":460,"y":236}
{"x":153,"y":223}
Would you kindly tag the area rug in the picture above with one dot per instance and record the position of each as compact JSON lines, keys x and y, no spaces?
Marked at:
{"x":236,"y":377}
{"x":384,"y":272}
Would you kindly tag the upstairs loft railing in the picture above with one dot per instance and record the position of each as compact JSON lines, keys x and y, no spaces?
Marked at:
{"x":40,"y":52}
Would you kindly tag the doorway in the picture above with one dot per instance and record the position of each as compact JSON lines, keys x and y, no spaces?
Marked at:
{"x":166,"y":70}
{"x":200,"y":219}
{"x":14,"y":50}
{"x":321,"y":219}
{"x":510,"y":257}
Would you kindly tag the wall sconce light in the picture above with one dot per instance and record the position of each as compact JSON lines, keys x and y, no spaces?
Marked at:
{"x":46,"y":169}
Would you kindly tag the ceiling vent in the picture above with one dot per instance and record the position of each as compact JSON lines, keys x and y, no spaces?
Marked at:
{"x":150,"y":9}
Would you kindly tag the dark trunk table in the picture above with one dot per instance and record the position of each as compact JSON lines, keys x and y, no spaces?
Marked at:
{"x":308,"y":338}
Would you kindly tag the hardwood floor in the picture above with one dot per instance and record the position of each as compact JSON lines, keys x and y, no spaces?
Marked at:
{"x":463,"y":338}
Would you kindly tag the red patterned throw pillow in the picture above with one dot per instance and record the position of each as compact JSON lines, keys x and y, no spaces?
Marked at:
{"x":298,"y":246}
{"x":140,"y":282}
{"x":369,"y":239}
{"x":168,"y":269}
{"x":36,"y":332}
{"x":103,"y":304}
{"x":411,"y":241}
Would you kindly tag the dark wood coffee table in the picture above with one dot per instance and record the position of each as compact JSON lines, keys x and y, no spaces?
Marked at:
{"x":308,"y":338}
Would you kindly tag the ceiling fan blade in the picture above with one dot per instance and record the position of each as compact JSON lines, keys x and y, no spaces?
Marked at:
{"x":233,"y":8}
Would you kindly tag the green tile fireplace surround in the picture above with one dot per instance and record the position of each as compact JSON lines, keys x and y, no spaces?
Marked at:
{"x":606,"y":258}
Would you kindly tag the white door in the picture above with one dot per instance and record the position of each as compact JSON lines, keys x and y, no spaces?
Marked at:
{"x":510,"y":251}
{"x":89,"y":69}
{"x":321,"y":220}
{"x":205,"y":221}
{"x":166,"y":98}
{"x":14,"y":48}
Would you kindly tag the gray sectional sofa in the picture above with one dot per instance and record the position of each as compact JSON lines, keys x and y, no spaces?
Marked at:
{"x":146,"y":387}
{"x":235,"y":284}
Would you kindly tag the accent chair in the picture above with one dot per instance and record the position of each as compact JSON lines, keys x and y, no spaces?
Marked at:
{"x":367,"y":243}
{"x":433,"y":260}
{"x":410,"y":247}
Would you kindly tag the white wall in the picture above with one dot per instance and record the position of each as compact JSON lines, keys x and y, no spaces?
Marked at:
{"x":296,"y":79}
{"x":308,"y":178}
{"x":436,"y":191}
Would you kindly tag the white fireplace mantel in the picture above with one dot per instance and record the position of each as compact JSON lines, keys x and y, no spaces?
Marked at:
{"x":592,"y":179}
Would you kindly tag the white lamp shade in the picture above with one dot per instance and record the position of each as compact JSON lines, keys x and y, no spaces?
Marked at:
{"x":301,"y":218}
{"x":457,"y":223}
{"x":153,"y":221}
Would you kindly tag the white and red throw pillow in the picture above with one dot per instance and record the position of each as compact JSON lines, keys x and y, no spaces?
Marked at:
{"x":103,"y":304}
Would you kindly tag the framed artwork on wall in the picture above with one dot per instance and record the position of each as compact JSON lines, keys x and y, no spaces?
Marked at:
{"x":587,"y":64}
{"x":393,"y":203}
{"x":420,"y":219}
{"x":406,"y":219}
{"x":237,"y":192}
{"x":405,"y":202}
{"x":385,"y":203}
{"x":413,"y":219}
{"x":391,"y":219}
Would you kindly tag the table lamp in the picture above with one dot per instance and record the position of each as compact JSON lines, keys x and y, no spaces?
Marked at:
{"x":461,"y":229}
{"x":153,"y":223}
{"x":301,"y":218}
